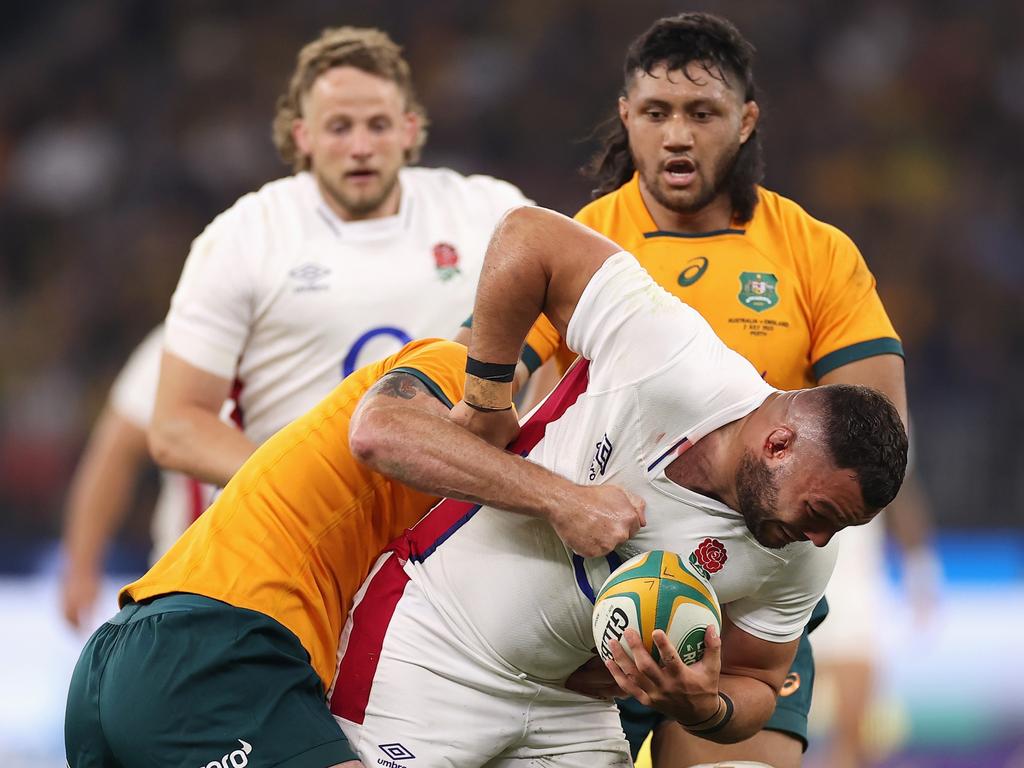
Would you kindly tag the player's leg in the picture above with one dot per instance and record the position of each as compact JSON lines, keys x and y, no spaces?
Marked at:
{"x":568,"y":730}
{"x":194,"y":681}
{"x":781,"y":743}
{"x":409,"y":688}
{"x":638,"y":722}
{"x":672,"y":746}
{"x":853,"y":680}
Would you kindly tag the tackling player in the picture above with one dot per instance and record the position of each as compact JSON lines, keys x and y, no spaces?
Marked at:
{"x":224,"y":651}
{"x":316,"y":274}
{"x":479,"y":617}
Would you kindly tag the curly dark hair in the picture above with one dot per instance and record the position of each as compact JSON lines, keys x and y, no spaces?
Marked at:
{"x":864,"y":433}
{"x":676,"y":41}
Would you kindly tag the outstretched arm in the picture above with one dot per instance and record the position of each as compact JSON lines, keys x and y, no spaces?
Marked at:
{"x":402,"y":431}
{"x":98,"y":499}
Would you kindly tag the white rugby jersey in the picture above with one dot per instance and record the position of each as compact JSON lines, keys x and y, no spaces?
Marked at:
{"x":657,"y":378}
{"x":182,"y":499}
{"x":288,"y":299}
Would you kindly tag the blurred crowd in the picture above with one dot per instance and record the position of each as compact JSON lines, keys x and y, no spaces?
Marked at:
{"x":126,"y":126}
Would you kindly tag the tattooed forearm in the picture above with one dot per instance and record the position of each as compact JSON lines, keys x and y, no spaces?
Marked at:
{"x":401,"y":385}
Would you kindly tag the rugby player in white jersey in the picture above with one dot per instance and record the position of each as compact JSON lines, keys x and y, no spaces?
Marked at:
{"x":298,"y":284}
{"x":99,"y":495}
{"x":459,"y":648}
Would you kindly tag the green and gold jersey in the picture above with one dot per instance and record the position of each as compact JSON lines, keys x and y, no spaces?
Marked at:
{"x":788,"y":292}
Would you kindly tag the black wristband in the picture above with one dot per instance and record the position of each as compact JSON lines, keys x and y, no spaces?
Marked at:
{"x":498,"y":372}
{"x":725,"y":718}
{"x":485,"y":409}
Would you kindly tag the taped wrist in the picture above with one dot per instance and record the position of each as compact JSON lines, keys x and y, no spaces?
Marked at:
{"x":717,"y":721}
{"x":489,"y":385}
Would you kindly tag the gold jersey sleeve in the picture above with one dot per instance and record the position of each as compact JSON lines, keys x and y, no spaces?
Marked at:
{"x":791,"y":294}
{"x":297,"y":529}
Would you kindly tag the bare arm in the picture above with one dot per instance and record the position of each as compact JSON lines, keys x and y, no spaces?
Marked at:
{"x":402,"y":431}
{"x":98,"y":499}
{"x":537,"y":260}
{"x":187,"y":434}
{"x":753,"y":671}
{"x":748,"y":670}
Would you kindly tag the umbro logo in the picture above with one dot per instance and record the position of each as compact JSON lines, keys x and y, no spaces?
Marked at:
{"x":238,"y":758}
{"x":395,"y":752}
{"x":308,"y":276}
{"x":602,"y":453}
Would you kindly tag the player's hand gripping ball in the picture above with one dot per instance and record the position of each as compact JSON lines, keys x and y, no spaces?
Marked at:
{"x":656,"y":590}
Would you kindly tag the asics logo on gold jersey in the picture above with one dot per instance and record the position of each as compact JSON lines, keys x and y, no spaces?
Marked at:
{"x":693,"y":271}
{"x":238,"y":758}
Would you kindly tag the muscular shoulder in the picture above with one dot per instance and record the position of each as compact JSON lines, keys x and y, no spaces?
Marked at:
{"x":276,"y":209}
{"x":785,"y":221}
{"x":475,"y":191}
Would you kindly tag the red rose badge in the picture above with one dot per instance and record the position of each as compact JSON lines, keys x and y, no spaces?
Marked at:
{"x":446,"y":258}
{"x":710,"y":556}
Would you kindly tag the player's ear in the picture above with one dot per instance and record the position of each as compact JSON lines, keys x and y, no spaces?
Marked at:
{"x":748,"y":120}
{"x":778,"y":442}
{"x":624,"y":110}
{"x":300,"y":133}
{"x":412,"y":125}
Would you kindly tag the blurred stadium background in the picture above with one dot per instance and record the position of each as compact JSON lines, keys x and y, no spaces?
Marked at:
{"x":126,"y":126}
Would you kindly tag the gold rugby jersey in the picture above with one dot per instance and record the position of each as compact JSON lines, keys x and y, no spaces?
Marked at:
{"x":788,"y":292}
{"x":299,"y":526}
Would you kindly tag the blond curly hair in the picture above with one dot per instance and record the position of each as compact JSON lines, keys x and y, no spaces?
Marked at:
{"x":366,"y":49}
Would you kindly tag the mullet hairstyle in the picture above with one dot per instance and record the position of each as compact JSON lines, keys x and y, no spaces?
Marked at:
{"x":366,"y":49}
{"x":865,"y":434}
{"x":676,"y":41}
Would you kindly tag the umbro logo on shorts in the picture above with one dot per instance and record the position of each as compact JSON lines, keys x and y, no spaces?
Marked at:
{"x":394,"y":751}
{"x":238,"y":758}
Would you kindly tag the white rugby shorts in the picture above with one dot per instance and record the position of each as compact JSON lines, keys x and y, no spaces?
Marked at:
{"x":408,"y":689}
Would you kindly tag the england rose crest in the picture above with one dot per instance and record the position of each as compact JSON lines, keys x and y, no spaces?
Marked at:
{"x":709,"y":556}
{"x":446,"y":259}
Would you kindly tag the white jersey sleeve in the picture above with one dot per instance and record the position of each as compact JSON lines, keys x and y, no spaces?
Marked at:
{"x":779,"y":610}
{"x":211,"y":310}
{"x":133,"y":394}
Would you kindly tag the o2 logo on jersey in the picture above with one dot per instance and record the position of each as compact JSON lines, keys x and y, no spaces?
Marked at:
{"x":693,"y":271}
{"x":351,"y":360}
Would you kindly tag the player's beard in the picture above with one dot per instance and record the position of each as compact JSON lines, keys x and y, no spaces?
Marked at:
{"x":757,"y":494}
{"x":721,"y":178}
{"x":363,"y":205}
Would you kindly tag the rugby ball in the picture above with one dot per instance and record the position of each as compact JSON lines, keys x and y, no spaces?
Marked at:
{"x":656,"y":590}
